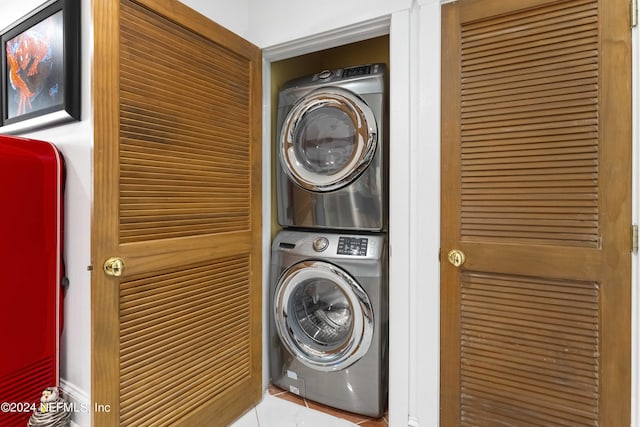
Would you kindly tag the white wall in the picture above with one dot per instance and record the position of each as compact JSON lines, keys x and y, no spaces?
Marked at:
{"x":278,"y":21}
{"x":231,"y":14}
{"x":75,"y":141}
{"x":425,"y":226}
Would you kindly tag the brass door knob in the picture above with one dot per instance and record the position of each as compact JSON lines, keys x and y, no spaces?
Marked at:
{"x":456,"y":257}
{"x":114,"y":266}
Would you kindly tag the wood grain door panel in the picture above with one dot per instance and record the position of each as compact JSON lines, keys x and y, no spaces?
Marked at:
{"x":176,"y":338}
{"x":536,"y":179}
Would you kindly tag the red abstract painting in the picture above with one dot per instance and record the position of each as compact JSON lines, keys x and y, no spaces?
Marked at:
{"x":35,"y":67}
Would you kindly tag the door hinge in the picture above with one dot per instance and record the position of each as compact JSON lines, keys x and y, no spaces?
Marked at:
{"x":634,"y":238}
{"x":634,"y":13}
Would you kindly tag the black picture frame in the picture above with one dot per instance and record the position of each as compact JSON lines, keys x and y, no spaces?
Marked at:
{"x":40,"y":74}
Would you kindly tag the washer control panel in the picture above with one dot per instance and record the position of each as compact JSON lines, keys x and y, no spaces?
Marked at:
{"x":331,"y":246}
{"x":352,"y":246}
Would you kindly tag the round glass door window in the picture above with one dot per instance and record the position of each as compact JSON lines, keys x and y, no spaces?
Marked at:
{"x":328,"y":139}
{"x":323,"y":315}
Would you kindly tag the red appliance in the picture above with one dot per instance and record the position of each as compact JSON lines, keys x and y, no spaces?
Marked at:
{"x":32,"y":273}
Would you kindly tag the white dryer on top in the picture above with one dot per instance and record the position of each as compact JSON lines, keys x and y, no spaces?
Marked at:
{"x":332,"y":148}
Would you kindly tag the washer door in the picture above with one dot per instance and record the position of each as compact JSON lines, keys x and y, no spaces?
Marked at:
{"x":328,"y":139}
{"x":322,"y":315}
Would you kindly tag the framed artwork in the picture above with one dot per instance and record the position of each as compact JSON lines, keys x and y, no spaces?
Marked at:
{"x":41,"y":68}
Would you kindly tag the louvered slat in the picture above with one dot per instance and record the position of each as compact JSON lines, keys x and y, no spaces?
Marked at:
{"x":184,"y":125}
{"x":185,"y":337}
{"x":529,"y":126}
{"x":529,"y":351}
{"x":185,"y":171}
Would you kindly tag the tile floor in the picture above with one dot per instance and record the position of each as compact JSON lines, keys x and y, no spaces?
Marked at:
{"x":280,"y":408}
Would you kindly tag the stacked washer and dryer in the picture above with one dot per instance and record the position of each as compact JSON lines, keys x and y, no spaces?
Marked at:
{"x":329,"y":279}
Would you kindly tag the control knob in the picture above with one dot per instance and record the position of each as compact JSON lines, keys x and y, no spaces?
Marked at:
{"x":320,"y":244}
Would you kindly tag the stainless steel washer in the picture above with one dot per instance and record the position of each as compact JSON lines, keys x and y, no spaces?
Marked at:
{"x":332,"y":150}
{"x":329,"y":321}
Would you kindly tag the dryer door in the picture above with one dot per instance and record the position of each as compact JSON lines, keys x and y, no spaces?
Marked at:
{"x":322,"y":315}
{"x":328,"y":139}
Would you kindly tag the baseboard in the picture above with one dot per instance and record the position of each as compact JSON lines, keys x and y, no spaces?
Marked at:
{"x":81,"y":417}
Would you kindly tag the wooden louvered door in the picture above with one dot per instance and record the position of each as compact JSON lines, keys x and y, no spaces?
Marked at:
{"x":176,"y":339}
{"x":536,"y":148}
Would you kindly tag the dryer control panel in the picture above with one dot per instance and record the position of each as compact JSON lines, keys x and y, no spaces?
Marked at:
{"x":352,"y":246}
{"x":329,"y":76}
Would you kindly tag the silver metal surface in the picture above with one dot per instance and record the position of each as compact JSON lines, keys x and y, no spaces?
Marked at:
{"x":323,"y":305}
{"x":332,"y":145}
{"x":327,"y":140}
{"x":323,"y":315}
